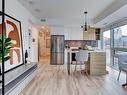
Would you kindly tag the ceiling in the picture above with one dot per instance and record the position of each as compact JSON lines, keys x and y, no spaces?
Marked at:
{"x":71,"y":12}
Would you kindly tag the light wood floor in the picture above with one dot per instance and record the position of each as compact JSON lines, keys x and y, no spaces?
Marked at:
{"x":54,"y":80}
{"x":44,"y":59}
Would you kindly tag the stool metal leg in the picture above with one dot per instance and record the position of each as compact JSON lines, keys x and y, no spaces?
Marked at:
{"x":80,"y":65}
{"x":119,"y":75}
{"x":76,"y":66}
{"x":86,"y":70}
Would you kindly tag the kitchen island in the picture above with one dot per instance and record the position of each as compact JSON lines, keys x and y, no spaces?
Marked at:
{"x":96,"y":64}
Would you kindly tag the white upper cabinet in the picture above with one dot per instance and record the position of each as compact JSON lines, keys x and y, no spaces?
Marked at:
{"x":74,"y":33}
{"x":70,"y":33}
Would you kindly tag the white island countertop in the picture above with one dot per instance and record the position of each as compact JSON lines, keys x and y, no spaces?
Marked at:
{"x":90,"y":51}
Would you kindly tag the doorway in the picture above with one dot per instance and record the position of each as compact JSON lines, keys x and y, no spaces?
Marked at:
{"x":44,"y":45}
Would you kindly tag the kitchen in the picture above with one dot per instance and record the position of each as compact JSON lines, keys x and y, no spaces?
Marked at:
{"x":72,"y":48}
{"x":75,"y":38}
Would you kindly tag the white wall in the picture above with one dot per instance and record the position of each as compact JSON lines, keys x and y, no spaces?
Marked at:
{"x":57,"y":30}
{"x":34,"y":45}
{"x":18,"y":11}
{"x":71,"y":33}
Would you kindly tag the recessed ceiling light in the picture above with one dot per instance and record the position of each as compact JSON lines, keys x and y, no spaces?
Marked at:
{"x":37,"y":10}
{"x":31,"y":2}
{"x":43,"y":20}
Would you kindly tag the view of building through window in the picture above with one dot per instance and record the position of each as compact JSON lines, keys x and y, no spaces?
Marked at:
{"x":120,"y":37}
{"x":119,"y":41}
{"x":106,"y":45}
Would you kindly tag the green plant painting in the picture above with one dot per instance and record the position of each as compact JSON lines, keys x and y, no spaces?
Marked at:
{"x":7,"y":47}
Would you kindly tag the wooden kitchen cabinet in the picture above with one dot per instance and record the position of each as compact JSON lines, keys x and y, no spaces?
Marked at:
{"x":96,"y":64}
{"x":92,"y":34}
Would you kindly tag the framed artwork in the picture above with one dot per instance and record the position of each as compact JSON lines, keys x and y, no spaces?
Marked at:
{"x":12,"y":29}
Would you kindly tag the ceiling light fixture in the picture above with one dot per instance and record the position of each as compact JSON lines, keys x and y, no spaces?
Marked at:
{"x":43,"y":20}
{"x":37,"y":10}
{"x":85,"y":27}
{"x":31,"y":2}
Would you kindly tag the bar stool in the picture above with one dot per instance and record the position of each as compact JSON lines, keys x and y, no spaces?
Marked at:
{"x":81,"y":57}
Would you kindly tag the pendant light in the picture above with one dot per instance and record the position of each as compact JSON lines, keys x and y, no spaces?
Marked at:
{"x":85,"y":27}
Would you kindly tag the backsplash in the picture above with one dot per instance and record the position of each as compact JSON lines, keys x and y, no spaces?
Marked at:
{"x":80,"y":43}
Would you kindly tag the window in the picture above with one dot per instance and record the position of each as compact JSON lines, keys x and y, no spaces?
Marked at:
{"x":106,"y":45}
{"x":119,"y":43}
{"x":120,"y":37}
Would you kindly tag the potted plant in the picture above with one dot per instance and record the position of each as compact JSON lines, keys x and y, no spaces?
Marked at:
{"x":85,"y":47}
{"x":7,"y":47}
{"x":67,"y":46}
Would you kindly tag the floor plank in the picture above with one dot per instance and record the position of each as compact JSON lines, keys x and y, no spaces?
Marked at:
{"x":54,"y":80}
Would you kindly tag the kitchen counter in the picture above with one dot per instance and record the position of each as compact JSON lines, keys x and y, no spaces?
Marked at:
{"x":76,"y":50}
{"x":96,"y":64}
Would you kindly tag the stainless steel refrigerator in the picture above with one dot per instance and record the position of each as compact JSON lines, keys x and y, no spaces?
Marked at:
{"x":57,"y":49}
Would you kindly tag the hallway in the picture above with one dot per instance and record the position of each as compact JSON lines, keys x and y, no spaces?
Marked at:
{"x":54,"y":80}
